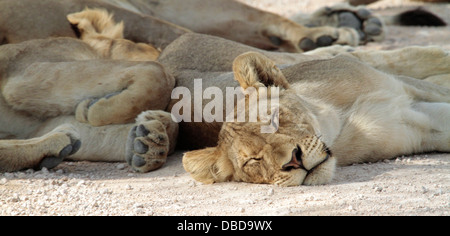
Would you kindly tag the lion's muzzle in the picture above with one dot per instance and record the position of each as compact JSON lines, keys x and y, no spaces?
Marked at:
{"x":296,"y":162}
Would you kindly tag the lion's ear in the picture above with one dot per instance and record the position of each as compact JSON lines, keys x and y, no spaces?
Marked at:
{"x":208,"y":165}
{"x":253,"y":69}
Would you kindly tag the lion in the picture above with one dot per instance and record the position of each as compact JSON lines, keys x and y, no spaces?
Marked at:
{"x":60,"y":104}
{"x":160,"y":22}
{"x":59,"y":91}
{"x":28,"y":19}
{"x":337,"y":107}
{"x":365,"y":2}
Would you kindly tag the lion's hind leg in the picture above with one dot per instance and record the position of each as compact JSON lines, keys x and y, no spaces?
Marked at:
{"x":151,"y":140}
{"x":145,"y":87}
{"x":46,"y":151}
{"x":97,"y":92}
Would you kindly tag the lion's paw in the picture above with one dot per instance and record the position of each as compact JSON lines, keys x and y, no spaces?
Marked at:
{"x":71,"y":146}
{"x":147,"y":146}
{"x":368,"y":26}
{"x":93,"y":110}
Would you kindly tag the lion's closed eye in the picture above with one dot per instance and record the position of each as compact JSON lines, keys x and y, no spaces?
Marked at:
{"x":252,"y":161}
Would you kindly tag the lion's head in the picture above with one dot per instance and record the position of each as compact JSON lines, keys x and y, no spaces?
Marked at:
{"x":295,"y":154}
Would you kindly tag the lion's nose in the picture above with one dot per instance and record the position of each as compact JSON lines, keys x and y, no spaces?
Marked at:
{"x":295,"y":162}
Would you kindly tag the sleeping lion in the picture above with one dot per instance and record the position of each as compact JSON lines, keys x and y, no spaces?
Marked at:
{"x":63,"y":99}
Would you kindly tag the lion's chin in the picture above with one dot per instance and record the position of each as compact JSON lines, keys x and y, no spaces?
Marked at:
{"x":322,"y":174}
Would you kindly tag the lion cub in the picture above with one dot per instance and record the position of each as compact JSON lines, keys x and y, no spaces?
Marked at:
{"x":97,"y":28}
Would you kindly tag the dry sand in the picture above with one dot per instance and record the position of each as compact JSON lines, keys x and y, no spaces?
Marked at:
{"x":409,"y":185}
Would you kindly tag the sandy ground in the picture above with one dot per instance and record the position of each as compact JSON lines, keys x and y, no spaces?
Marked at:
{"x":408,"y":185}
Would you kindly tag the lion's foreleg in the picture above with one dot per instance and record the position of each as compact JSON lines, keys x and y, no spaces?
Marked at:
{"x":417,"y":62}
{"x":111,"y":143}
{"x":437,"y":137}
{"x":105,"y":143}
{"x":424,"y":91}
{"x":46,"y":151}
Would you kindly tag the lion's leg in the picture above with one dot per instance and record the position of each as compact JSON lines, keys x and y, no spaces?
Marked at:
{"x":109,"y":143}
{"x":104,"y":143}
{"x":46,"y":151}
{"x":147,"y":89}
{"x":21,"y":27}
{"x":151,"y":140}
{"x":359,"y":19}
{"x":98,"y":92}
{"x":384,"y":125}
{"x":437,"y":136}
{"x":417,"y":62}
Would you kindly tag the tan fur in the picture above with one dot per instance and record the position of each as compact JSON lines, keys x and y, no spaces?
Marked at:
{"x":341,"y":104}
{"x":366,"y":2}
{"x":371,"y":27}
{"x":99,"y":30}
{"x":63,"y":90}
{"x":238,"y":22}
{"x":257,"y":68}
{"x":32,"y":23}
{"x":148,"y":21}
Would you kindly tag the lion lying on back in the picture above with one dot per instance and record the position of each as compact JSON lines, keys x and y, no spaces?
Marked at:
{"x":333,"y":110}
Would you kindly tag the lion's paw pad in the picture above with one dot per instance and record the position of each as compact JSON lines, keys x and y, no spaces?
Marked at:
{"x":307,"y":44}
{"x":147,"y":146}
{"x":368,"y":26}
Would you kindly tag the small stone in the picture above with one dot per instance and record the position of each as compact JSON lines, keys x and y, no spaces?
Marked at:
{"x":424,"y":190}
{"x":438,"y":192}
{"x":121,"y":166}
{"x":9,"y":175}
{"x":45,"y":170}
{"x":106,"y":191}
{"x":139,"y":211}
